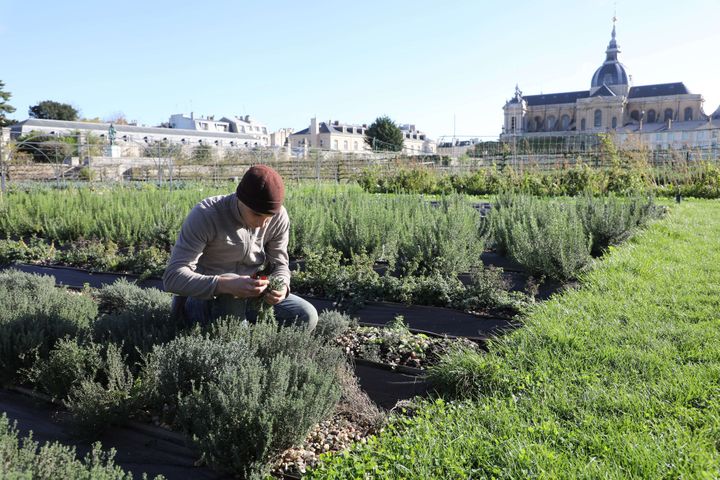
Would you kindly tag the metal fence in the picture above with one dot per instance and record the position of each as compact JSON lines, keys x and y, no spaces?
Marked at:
{"x":66,"y":158}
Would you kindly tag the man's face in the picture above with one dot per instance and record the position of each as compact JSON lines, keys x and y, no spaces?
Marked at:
{"x":252,"y":218}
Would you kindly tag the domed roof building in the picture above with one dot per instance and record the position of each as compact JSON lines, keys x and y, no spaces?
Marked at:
{"x":611,"y":73}
{"x":613,"y":104}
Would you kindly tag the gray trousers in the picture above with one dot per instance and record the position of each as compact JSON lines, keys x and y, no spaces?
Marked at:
{"x":292,"y":310}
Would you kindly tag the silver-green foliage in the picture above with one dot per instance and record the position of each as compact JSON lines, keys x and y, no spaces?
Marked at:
{"x":171,"y":370}
{"x":26,"y":459}
{"x":69,"y":362}
{"x":284,"y":382}
{"x":611,"y":220}
{"x":447,"y":238}
{"x":34,"y":315}
{"x":547,"y":237}
{"x":106,"y":398}
{"x":136,"y":317}
{"x":332,"y":324}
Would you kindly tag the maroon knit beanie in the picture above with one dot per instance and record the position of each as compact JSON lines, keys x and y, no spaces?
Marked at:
{"x":262,"y":189}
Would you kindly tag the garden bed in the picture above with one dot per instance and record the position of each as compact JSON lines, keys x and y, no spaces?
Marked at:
{"x":147,"y":450}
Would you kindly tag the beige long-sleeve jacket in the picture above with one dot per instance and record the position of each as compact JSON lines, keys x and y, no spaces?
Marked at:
{"x":213,"y":240}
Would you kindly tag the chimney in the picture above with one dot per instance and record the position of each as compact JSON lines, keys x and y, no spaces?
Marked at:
{"x":192,"y":115}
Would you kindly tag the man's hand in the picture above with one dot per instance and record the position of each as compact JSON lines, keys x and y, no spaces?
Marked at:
{"x":241,"y":286}
{"x":273,"y":297}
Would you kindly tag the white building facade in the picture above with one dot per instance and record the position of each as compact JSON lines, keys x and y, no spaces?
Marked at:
{"x":416,"y":142}
{"x":132,"y":134}
{"x":331,"y":136}
{"x":348,"y":138}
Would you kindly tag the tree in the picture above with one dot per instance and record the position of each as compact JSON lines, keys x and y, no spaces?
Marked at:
{"x":383,"y":134}
{"x":4,"y":106}
{"x":117,"y":118}
{"x":50,"y":110}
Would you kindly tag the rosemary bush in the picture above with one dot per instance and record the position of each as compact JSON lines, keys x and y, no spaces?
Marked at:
{"x":444,"y":239}
{"x":546,"y":237}
{"x":611,"y":220}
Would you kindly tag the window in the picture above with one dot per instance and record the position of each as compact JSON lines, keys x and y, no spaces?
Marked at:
{"x":668,"y":114}
{"x":564,"y":122}
{"x":582,"y":124}
{"x":345,"y":145}
{"x":688,"y":114}
{"x":335,"y":144}
{"x":538,"y":123}
{"x":597,"y":118}
{"x":321,"y":143}
{"x":551,"y":122}
{"x":614,"y":122}
{"x":512,"y":124}
{"x":355,"y":146}
{"x":651,"y":116}
{"x":635,"y":115}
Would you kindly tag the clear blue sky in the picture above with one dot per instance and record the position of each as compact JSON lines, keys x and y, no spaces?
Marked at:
{"x":432,"y":63}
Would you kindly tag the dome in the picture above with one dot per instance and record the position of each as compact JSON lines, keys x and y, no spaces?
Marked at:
{"x":611,"y":72}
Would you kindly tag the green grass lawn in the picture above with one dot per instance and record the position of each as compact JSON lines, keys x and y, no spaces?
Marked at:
{"x":618,"y":379}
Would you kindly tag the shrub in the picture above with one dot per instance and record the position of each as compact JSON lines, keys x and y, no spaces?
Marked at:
{"x":136,"y":317}
{"x":361,"y":224}
{"x":264,"y":404}
{"x":146,"y":260}
{"x":90,"y":254}
{"x":349,"y":286}
{"x":611,"y":220}
{"x":70,"y":362}
{"x":434,"y":290}
{"x":444,"y":239}
{"x":546,"y":237}
{"x":581,"y":179}
{"x":332,"y":324}
{"x":34,"y":315}
{"x":488,"y":289}
{"x":96,"y":403}
{"x":170,"y":370}
{"x":34,"y":250}
{"x":26,"y":459}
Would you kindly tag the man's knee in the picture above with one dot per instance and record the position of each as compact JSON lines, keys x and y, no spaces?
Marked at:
{"x":312,"y":317}
{"x":295,"y":310}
